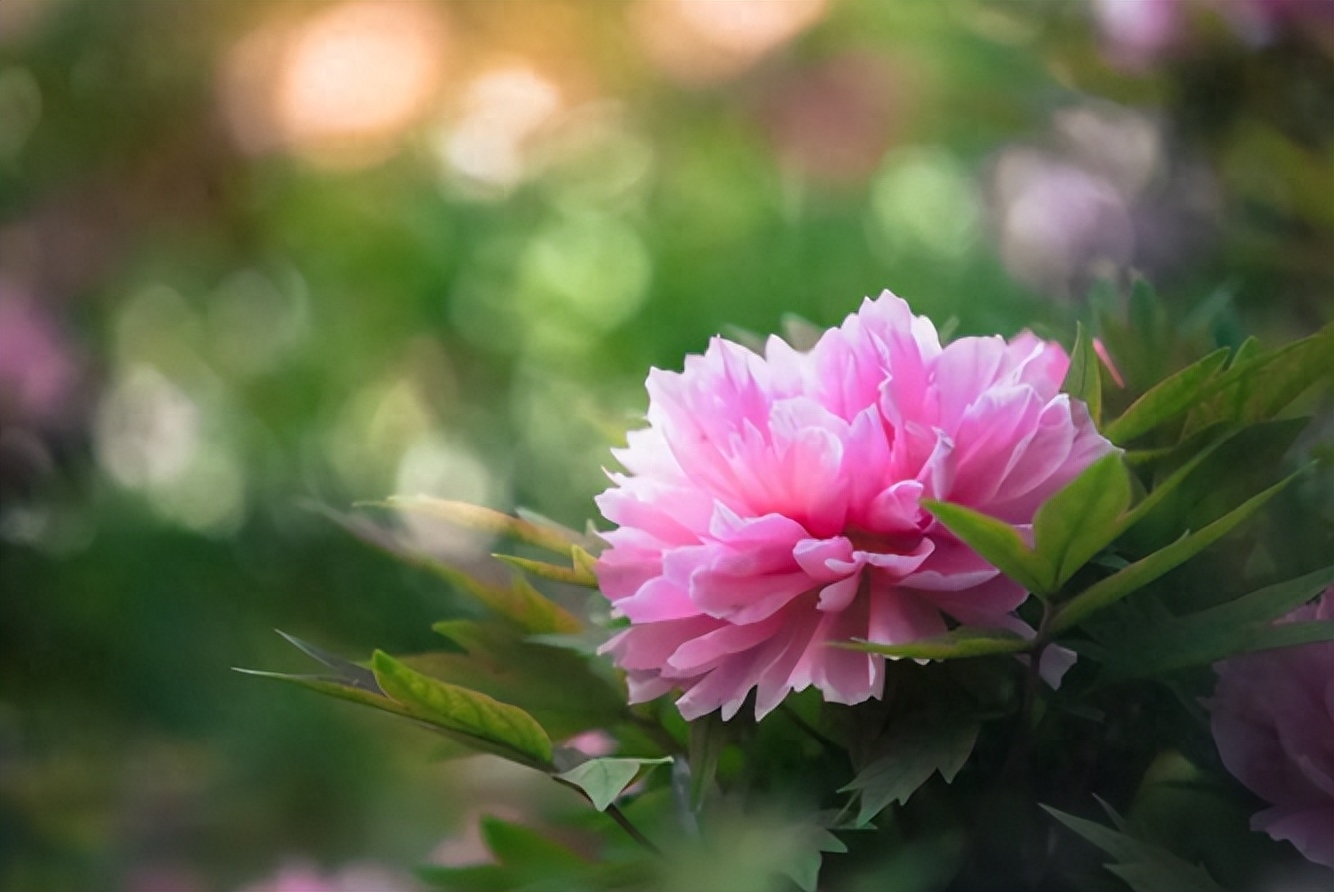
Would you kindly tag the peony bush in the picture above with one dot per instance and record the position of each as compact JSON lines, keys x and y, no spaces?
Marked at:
{"x":887,"y":611}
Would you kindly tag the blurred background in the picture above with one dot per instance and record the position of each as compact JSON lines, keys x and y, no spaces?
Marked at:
{"x":260,"y":256}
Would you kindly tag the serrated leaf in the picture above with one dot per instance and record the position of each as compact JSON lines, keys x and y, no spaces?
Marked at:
{"x":1080,"y":520}
{"x":965,"y":641}
{"x":1083,"y":379}
{"x":555,"y":539}
{"x":917,"y":748}
{"x":995,"y":540}
{"x":1240,"y":626}
{"x":1259,"y":385}
{"x":505,"y":730}
{"x":605,"y":779}
{"x":1143,"y":866}
{"x":1166,"y":400}
{"x":1139,"y":574}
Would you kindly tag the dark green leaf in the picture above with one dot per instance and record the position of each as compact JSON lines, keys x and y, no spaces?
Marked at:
{"x":1083,"y":380}
{"x":1143,"y":866}
{"x":995,"y":540}
{"x":1258,"y":385}
{"x":1166,"y":400}
{"x":1239,"y":626}
{"x":470,"y":878}
{"x":1080,"y":520}
{"x":605,"y":779}
{"x":1142,"y":572}
{"x":965,"y":641}
{"x":918,"y":747}
{"x":558,"y":687}
{"x":505,"y":730}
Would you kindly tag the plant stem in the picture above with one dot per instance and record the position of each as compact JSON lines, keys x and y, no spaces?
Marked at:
{"x":615,"y":813}
{"x":805,"y":726}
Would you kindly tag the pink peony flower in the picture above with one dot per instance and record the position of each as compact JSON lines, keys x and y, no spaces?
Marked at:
{"x":1273,"y":721}
{"x":772,"y":505}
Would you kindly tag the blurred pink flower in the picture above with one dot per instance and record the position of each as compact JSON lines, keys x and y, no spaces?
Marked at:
{"x":38,"y":368}
{"x":772,"y":505}
{"x":1273,"y":721}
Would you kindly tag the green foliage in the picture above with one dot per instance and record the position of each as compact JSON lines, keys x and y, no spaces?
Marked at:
{"x":1143,"y":866}
{"x":1080,"y":520}
{"x":1167,"y":399}
{"x":1258,"y":386}
{"x":1083,"y":380}
{"x":994,"y":539}
{"x":605,"y":779}
{"x":557,"y":687}
{"x":917,"y":747}
{"x":473,"y":718}
{"x":545,"y":535}
{"x":1238,"y":626}
{"x":1139,"y":574}
{"x":965,"y":641}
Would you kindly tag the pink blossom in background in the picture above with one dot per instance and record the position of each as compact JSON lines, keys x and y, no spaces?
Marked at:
{"x":301,"y":876}
{"x":772,"y":505}
{"x":1273,"y":721}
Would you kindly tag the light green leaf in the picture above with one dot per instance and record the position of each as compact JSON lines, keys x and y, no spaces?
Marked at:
{"x":1143,"y":866}
{"x":1139,"y":574}
{"x":965,"y":641}
{"x":501,"y":729}
{"x":1083,"y":380}
{"x":1167,"y":399}
{"x":605,"y":779}
{"x":1080,"y":520}
{"x":573,"y":575}
{"x":995,"y":540}
{"x":918,"y":747}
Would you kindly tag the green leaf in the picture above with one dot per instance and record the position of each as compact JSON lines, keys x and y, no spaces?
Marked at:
{"x":1080,"y":520}
{"x":493,"y":726}
{"x":1143,"y":866}
{"x":1239,"y":626}
{"x":515,"y":845}
{"x":469,"y":878}
{"x":558,"y":687}
{"x":1258,"y":386}
{"x":965,"y":641}
{"x":1139,"y":574}
{"x":1166,"y":400}
{"x":995,"y":540}
{"x":1083,"y":380}
{"x":548,"y":537}
{"x":916,"y":748}
{"x":605,"y":779}
{"x":573,"y":575}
